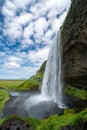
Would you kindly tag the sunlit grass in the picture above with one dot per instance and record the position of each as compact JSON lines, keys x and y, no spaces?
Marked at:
{"x":56,"y":122}
{"x":75,"y":92}
{"x":33,"y":83}
{"x":4,"y":97}
{"x":10,"y":84}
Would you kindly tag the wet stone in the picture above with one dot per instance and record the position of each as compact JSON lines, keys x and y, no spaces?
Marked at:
{"x":14,"y":124}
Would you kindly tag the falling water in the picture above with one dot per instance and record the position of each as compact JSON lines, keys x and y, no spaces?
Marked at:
{"x":52,"y":82}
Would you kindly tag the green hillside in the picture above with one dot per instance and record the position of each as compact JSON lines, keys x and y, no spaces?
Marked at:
{"x":35,"y":81}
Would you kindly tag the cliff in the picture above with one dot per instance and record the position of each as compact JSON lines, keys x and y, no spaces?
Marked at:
{"x":74,"y":40}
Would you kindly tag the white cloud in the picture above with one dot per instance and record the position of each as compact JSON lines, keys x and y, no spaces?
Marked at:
{"x":11,"y":65}
{"x":13,"y":31}
{"x":58,"y":5}
{"x":24,"y":19}
{"x":38,"y":9}
{"x":21,"y":4}
{"x":41,"y":26}
{"x":14,"y":59}
{"x":56,"y":25}
{"x":28,"y":31}
{"x":49,"y":34}
{"x":10,"y":5}
{"x":13,"y":24}
{"x":38,"y":57}
{"x":8,"y":12}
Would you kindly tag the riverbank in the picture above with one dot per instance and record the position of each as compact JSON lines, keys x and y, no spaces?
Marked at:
{"x":4,"y":97}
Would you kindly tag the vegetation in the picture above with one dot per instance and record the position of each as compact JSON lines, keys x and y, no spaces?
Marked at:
{"x":10,"y":84}
{"x":33,"y":123}
{"x":33,"y":83}
{"x":75,"y":92}
{"x":55,"y":122}
{"x":4,"y":97}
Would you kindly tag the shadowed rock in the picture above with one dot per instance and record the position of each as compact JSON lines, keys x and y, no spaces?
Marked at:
{"x":14,"y":124}
{"x":74,"y":39}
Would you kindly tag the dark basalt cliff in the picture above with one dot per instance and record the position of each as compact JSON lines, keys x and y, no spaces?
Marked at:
{"x":74,"y":39}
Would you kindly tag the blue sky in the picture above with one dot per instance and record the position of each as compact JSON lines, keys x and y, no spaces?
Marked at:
{"x":27,"y":29}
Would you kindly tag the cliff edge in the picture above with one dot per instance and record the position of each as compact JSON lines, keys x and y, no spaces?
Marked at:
{"x":74,"y":39}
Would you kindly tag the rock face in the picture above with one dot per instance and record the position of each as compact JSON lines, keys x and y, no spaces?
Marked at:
{"x":42,"y":68}
{"x":74,"y":39}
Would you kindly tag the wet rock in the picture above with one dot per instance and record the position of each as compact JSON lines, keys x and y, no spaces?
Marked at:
{"x":81,"y":126}
{"x":14,"y":124}
{"x":85,"y":126}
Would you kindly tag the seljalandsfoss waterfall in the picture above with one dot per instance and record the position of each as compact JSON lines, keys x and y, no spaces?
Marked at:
{"x":52,"y":83}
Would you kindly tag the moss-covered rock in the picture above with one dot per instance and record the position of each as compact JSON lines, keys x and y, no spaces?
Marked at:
{"x":74,"y":39}
{"x":17,"y":123}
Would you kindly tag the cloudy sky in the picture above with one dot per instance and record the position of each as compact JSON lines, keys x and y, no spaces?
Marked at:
{"x":27,"y":29}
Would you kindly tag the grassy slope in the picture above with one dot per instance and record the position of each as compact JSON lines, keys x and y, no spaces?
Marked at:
{"x":10,"y":84}
{"x":75,"y":92}
{"x":35,"y":81}
{"x":4,"y":97}
{"x":68,"y":119}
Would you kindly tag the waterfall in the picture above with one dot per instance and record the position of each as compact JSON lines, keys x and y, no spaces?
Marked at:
{"x":52,"y":81}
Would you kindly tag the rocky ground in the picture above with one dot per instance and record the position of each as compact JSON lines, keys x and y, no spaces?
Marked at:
{"x":14,"y":124}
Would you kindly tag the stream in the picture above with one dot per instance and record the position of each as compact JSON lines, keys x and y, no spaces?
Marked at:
{"x":20,"y":104}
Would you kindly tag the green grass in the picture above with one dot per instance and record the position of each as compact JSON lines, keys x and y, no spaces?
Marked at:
{"x":4,"y":97}
{"x":33,"y":83}
{"x":10,"y":84}
{"x":33,"y":123}
{"x":75,"y":92}
{"x":56,"y":122}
